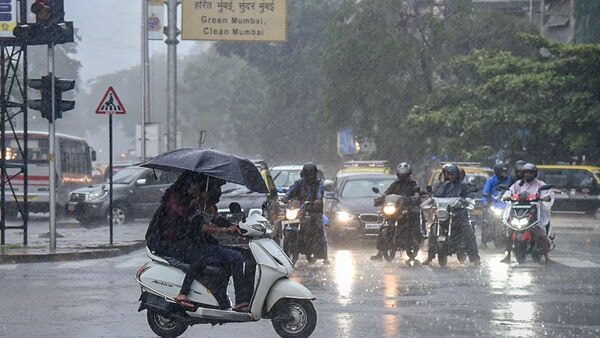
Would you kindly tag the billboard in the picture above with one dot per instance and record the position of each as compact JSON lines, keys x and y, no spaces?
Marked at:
{"x":234,"y":20}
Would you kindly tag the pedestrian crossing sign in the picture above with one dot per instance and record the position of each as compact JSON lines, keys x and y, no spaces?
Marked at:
{"x":110,"y":103}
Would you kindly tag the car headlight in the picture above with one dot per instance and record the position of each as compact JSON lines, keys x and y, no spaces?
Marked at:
{"x":97,"y":195}
{"x":343,"y":216}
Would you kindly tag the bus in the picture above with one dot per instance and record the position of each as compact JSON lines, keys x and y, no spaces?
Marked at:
{"x":73,"y":158}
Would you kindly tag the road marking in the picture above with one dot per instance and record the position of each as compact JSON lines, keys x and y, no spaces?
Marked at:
{"x":576,"y":262}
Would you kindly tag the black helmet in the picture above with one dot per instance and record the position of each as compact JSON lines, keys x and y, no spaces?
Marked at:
{"x":530,"y":167}
{"x":309,"y":171}
{"x":519,"y":165}
{"x":450,"y":168}
{"x":501,"y":169}
{"x":403,"y":169}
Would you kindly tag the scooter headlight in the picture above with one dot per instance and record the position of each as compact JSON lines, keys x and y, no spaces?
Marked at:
{"x":496,"y":211}
{"x":291,"y":213}
{"x":343,"y":216}
{"x":389,"y":210}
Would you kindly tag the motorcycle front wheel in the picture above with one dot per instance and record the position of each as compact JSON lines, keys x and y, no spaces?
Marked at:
{"x":164,"y":326}
{"x":442,"y":253}
{"x":520,"y":249}
{"x":296,"y":318}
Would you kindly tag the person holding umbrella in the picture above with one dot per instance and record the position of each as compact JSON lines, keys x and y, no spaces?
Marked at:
{"x":181,"y":228}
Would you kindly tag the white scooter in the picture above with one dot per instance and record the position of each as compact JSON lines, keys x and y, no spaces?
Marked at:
{"x":287,"y":303}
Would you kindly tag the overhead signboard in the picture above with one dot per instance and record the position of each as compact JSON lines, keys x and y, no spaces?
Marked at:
{"x":8,"y":18}
{"x":235,"y":20}
{"x":110,"y":103}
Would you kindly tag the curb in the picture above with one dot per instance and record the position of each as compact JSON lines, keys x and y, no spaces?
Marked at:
{"x":103,"y":251}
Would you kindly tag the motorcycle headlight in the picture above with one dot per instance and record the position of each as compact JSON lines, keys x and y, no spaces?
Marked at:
{"x":389,"y":210}
{"x":96,"y":195}
{"x":443,"y":214}
{"x":291,"y":213}
{"x":519,"y":223}
{"x":343,"y":216}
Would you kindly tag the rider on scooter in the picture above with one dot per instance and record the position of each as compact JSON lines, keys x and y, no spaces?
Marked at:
{"x":404,"y":185}
{"x":181,"y":229}
{"x":310,"y":188}
{"x":490,"y":189}
{"x":452,"y":187}
{"x":531,"y":184}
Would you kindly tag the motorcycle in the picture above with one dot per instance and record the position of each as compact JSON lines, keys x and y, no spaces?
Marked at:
{"x":287,"y":303}
{"x":492,"y":228}
{"x":302,"y":232}
{"x":401,"y":228}
{"x":442,"y":235}
{"x":520,"y":218}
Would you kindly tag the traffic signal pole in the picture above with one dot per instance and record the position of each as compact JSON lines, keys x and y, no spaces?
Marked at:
{"x":51,"y":151}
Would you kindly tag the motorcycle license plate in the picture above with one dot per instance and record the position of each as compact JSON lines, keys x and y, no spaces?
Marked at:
{"x":372,"y":225}
{"x":293,"y":222}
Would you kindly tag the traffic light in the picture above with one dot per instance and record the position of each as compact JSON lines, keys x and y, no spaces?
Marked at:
{"x":48,"y":12}
{"x":44,"y":104}
{"x":50,"y":26}
{"x":61,"y":86}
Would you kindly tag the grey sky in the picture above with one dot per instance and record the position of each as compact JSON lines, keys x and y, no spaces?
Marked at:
{"x":111,"y":35}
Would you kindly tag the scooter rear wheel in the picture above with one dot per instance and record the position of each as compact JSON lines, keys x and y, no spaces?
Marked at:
{"x":296,"y":318}
{"x":164,"y":326}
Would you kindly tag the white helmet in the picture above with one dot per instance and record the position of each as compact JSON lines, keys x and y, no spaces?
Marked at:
{"x":403,"y":169}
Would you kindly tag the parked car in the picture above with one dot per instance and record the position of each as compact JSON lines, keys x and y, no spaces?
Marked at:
{"x":137,"y":193}
{"x":576,"y":187}
{"x":349,"y":204}
{"x":251,"y":202}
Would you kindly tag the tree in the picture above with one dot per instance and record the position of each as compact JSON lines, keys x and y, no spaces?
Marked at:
{"x":543,"y":108}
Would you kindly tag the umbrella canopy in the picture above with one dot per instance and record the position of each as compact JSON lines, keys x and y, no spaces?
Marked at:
{"x":213,"y":163}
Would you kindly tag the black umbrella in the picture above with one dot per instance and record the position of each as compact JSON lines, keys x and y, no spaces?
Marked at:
{"x":213,"y":163}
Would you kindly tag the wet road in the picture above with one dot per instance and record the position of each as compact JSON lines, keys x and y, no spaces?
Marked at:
{"x":356,"y":296}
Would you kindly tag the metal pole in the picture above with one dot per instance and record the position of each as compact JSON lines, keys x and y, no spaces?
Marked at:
{"x":172,"y":74}
{"x":145,"y":80}
{"x":51,"y":151}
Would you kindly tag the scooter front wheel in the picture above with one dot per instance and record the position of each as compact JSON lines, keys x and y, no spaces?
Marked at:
{"x":295,"y":318}
{"x":163,"y":326}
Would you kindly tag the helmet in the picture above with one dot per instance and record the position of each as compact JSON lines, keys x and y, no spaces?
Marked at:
{"x":530,"y":167}
{"x":519,"y":165}
{"x":403,"y":169}
{"x":309,"y":171}
{"x":450,"y":168}
{"x":501,"y":169}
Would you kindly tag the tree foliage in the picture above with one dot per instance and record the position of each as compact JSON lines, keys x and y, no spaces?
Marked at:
{"x":543,"y":108}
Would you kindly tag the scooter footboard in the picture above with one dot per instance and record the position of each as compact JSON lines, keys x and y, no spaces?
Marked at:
{"x":286,"y":288}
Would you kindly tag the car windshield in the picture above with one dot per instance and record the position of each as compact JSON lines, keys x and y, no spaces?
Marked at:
{"x":285,"y":178}
{"x":362,"y":187}
{"x":127,"y":175}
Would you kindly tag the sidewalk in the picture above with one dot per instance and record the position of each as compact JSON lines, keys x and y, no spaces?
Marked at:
{"x":73,"y":241}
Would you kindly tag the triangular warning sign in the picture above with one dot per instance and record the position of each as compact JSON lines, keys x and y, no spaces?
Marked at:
{"x":110,"y":103}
